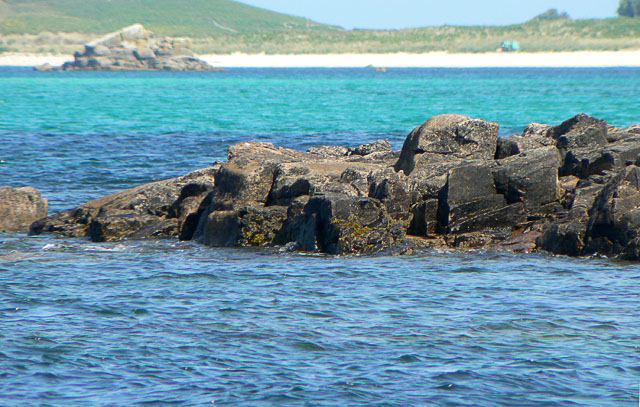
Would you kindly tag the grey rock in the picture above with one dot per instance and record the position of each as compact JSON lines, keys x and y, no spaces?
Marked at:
{"x":506,"y":147}
{"x":144,"y":53}
{"x":529,"y":140}
{"x":424,"y":219}
{"x":342,"y":224}
{"x":329,"y":151}
{"x":535,"y":130}
{"x":44,"y":67}
{"x":577,"y":140}
{"x":392,"y":189}
{"x":158,"y":209}
{"x":567,"y":189}
{"x":531,"y":178}
{"x":493,"y":218}
{"x":469,"y":203}
{"x":101,"y":50}
{"x":20,"y":207}
{"x":615,"y":217}
{"x":378,"y":146}
{"x":563,"y":238}
{"x":446,"y":137}
{"x":134,"y":48}
{"x":250,"y":226}
{"x":580,"y":131}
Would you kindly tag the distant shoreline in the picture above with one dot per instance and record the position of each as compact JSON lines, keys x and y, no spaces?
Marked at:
{"x":582,"y":59}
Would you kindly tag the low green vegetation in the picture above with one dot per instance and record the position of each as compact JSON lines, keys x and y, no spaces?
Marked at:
{"x":193,"y":18}
{"x":537,"y":35}
{"x":226,"y":26}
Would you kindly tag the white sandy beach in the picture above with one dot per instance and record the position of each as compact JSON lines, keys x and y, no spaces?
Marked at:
{"x":21,"y":59}
{"x":432,"y":60}
{"x":398,"y":60}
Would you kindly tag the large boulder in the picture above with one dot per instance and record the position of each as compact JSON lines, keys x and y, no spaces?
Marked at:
{"x":615,"y":217}
{"x":20,"y":207}
{"x":534,"y":136}
{"x":340,"y":224}
{"x":261,"y":190}
{"x":579,"y":132}
{"x":603,"y":218}
{"x":580,"y":141}
{"x":446,"y":137}
{"x":469,"y":203}
{"x":249,"y":226}
{"x":531,"y":178}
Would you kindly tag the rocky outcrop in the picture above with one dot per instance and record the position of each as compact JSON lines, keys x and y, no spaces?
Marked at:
{"x":134,"y":48}
{"x":20,"y":207}
{"x":569,"y":189}
{"x":169,"y":208}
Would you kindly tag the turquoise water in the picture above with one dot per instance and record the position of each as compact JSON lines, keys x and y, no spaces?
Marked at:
{"x":170,"y":323}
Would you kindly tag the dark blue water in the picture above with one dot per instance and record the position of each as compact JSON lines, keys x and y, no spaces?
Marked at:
{"x":168,"y":323}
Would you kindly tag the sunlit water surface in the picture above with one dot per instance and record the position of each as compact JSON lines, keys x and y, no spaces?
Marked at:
{"x":169,"y":323}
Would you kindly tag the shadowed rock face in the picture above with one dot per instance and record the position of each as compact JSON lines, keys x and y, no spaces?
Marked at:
{"x":571,"y":189}
{"x":20,"y":207}
{"x":169,"y":208}
{"x":134,"y":48}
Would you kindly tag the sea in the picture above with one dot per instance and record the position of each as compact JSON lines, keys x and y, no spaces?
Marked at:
{"x":168,"y":323}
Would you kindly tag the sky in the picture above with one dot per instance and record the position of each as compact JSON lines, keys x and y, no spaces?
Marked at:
{"x":419,"y":13}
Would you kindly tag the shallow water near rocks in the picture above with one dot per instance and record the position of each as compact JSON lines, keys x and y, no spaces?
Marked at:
{"x":174,"y":323}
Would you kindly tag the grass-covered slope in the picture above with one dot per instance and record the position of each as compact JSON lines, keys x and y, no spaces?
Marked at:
{"x":537,"y":35}
{"x":226,"y":26}
{"x":194,"y":18}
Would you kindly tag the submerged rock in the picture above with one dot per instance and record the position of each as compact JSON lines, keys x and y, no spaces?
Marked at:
{"x":20,"y":207}
{"x":134,"y":48}
{"x":569,"y":189}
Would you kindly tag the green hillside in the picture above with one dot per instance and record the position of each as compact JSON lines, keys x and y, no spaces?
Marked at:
{"x":194,"y":18}
{"x":226,"y":26}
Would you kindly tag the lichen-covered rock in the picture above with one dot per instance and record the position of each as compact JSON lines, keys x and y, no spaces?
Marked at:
{"x":340,"y":224}
{"x":570,"y":189}
{"x":250,"y":226}
{"x":20,"y":207}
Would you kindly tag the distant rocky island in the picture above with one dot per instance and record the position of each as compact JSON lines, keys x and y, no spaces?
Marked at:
{"x":134,"y":48}
{"x":572,"y":189}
